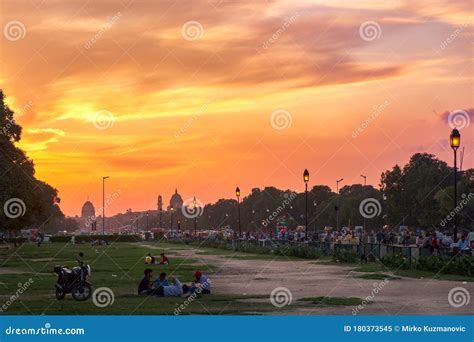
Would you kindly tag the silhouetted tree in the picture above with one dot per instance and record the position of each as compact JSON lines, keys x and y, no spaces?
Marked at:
{"x":25,"y":201}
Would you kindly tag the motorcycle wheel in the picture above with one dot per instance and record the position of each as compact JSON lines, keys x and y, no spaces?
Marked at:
{"x":81,"y":292}
{"x":60,"y":294}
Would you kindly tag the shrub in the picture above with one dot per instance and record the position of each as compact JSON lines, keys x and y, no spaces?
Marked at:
{"x":299,"y":251}
{"x":395,"y":261}
{"x":461,"y":265}
{"x":345,"y":256}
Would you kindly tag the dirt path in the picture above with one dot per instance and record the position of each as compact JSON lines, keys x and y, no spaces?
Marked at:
{"x":405,"y":296}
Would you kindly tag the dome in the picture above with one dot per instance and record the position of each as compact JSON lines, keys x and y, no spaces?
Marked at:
{"x":88,"y":210}
{"x":176,"y":201}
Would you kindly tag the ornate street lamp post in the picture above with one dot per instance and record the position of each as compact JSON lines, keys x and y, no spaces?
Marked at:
{"x":237,"y":193}
{"x":455,"y":141}
{"x":306,"y":180}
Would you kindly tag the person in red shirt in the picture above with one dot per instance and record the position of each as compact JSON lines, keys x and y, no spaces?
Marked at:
{"x":434,"y":243}
{"x":164,"y":259}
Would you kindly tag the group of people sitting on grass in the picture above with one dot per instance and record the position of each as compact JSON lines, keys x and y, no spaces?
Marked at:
{"x":162,"y":287}
{"x":153,"y":260}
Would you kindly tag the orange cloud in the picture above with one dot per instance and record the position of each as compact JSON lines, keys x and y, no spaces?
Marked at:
{"x":196,"y":113}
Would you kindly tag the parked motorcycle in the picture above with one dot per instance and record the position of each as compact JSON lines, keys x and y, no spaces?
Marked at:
{"x":74,"y":281}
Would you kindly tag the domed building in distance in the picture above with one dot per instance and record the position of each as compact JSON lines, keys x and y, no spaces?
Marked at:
{"x":87,"y":210}
{"x":87,"y":215}
{"x":176,"y":202}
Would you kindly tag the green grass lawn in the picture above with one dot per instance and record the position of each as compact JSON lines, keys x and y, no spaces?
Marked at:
{"x":119,"y":267}
{"x":332,"y":301}
{"x":377,"y":276}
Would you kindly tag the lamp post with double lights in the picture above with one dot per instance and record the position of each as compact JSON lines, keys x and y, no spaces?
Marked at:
{"x":103,"y":204}
{"x":237,"y":194}
{"x":455,"y":142}
{"x":306,"y":180}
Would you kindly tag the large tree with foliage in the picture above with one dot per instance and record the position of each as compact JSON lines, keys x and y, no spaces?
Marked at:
{"x":410,"y":192}
{"x":25,"y":201}
{"x":465,"y":202}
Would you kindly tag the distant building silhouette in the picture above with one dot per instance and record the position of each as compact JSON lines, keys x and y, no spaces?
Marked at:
{"x":160,"y":203}
{"x":87,"y":216}
{"x":176,"y":202}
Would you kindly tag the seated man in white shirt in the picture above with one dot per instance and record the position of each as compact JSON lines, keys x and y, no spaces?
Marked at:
{"x":174,"y":290}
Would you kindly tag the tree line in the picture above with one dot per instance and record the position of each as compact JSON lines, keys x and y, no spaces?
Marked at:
{"x":418,"y":195}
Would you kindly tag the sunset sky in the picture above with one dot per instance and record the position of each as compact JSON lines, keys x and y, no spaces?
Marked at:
{"x":205,"y":95}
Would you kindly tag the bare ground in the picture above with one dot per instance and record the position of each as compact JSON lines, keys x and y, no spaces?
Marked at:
{"x":405,"y":296}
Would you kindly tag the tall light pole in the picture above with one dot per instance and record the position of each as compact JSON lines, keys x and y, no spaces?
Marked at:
{"x":337,"y":202}
{"x":337,"y":185}
{"x":171,"y":217}
{"x":237,"y":193}
{"x":195,"y":216}
{"x":306,"y":180}
{"x":365,"y":184}
{"x":455,"y":141}
{"x":103,"y":204}
{"x":147,"y":220}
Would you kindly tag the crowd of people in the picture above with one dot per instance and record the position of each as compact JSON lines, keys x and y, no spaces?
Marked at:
{"x":434,"y":241}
